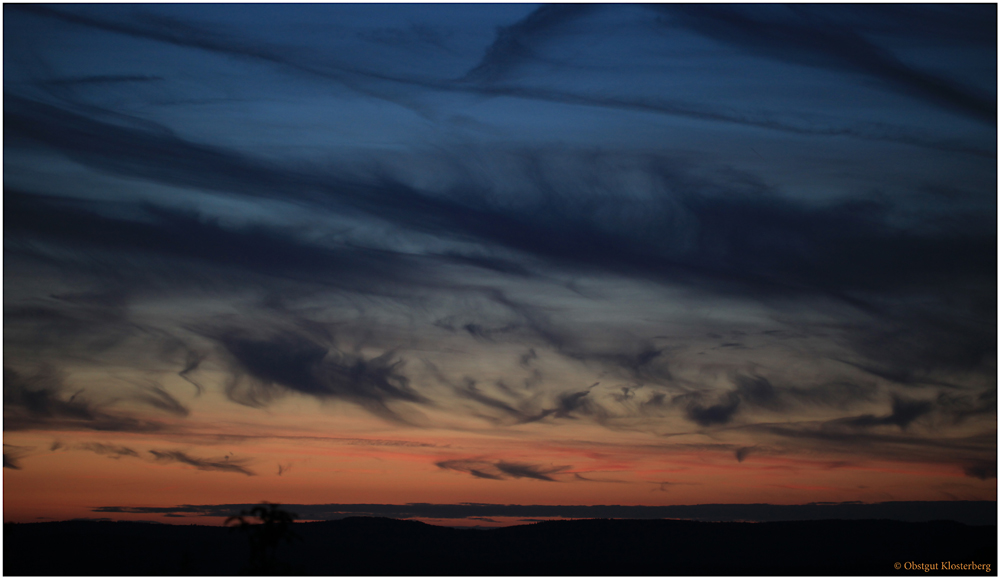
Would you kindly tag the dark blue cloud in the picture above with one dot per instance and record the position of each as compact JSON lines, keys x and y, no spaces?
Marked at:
{"x":903,"y":413}
{"x":710,"y":415}
{"x":514,"y":44}
{"x":807,"y":35}
{"x":184,"y":236}
{"x":286,"y":362}
{"x":741,"y":236}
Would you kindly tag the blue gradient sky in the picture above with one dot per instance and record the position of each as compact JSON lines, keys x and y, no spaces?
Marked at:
{"x":562,"y":254}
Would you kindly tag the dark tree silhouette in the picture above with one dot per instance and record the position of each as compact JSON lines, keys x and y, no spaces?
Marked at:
{"x":272,"y":526}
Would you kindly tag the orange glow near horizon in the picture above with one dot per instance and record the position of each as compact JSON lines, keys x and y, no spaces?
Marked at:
{"x":398,"y":465}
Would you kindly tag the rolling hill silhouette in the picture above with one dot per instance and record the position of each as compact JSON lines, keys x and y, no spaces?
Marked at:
{"x":381,"y":546}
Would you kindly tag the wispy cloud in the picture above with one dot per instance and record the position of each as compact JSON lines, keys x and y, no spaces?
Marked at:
{"x":40,"y":401}
{"x":225,"y":464}
{"x":109,"y":450}
{"x":840,"y":435}
{"x":12,"y":455}
{"x":501,"y":469}
{"x":115,"y":451}
{"x":155,"y":396}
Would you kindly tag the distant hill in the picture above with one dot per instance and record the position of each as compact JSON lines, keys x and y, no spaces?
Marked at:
{"x":380,"y":546}
{"x":968,"y":512}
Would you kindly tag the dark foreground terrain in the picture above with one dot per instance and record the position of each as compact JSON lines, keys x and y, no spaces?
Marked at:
{"x":376,"y":546}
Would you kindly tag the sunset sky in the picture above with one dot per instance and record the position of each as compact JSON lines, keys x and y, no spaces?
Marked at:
{"x":507,"y":254}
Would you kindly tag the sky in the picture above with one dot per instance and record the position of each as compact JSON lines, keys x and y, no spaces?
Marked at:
{"x":501,"y":254}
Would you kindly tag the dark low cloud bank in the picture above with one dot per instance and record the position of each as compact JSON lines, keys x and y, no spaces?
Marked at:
{"x":968,"y":512}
